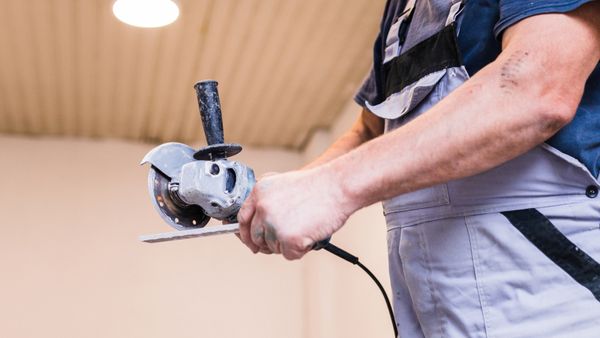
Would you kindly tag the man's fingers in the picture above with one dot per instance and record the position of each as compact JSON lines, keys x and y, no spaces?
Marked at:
{"x":295,"y":247}
{"x":292,"y":254}
{"x":245,"y":217}
{"x":247,"y":210}
{"x":271,"y":238}
{"x":274,"y":246}
{"x":257,"y":234}
{"x":265,"y":251}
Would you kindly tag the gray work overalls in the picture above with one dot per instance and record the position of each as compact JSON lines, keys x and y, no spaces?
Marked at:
{"x":511,"y":252}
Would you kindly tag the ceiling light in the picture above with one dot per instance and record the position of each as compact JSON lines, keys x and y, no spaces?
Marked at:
{"x":146,"y":13}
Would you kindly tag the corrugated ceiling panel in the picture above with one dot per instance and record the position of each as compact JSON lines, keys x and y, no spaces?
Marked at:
{"x":285,"y":67}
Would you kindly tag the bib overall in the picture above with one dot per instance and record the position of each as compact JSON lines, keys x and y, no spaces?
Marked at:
{"x":511,"y":252}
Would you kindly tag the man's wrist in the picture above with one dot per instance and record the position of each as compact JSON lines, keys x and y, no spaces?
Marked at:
{"x":343,"y":187}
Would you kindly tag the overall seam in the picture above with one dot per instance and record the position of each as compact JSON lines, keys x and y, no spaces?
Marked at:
{"x":411,"y":291}
{"x":432,"y":291}
{"x":439,"y":215}
{"x":412,"y":301}
{"x":483,"y":298}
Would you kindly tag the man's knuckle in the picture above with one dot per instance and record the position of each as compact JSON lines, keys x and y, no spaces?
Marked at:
{"x":283,"y":236}
{"x":263,"y":204}
{"x":290,"y":255}
{"x":296,"y":242}
{"x":243,"y":215}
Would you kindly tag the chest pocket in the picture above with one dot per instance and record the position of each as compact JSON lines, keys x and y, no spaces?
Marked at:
{"x":409,"y":77}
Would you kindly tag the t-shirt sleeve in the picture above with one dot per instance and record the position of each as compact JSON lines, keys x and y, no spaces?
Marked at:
{"x":368,"y":90}
{"x":513,"y":11}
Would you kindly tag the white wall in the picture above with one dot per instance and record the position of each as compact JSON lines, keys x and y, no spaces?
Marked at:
{"x":70,"y":214}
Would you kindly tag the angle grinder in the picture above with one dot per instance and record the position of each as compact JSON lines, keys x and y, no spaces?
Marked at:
{"x":189,"y":187}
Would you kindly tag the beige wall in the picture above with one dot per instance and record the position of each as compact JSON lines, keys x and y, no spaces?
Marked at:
{"x":342,"y":299}
{"x":70,"y":214}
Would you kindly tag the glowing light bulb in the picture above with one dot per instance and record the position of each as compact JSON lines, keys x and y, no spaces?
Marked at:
{"x":146,"y":13}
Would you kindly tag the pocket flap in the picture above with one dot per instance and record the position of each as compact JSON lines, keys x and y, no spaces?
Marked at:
{"x":404,"y":101}
{"x":424,"y":198}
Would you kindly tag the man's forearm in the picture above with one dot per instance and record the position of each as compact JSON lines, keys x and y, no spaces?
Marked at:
{"x":461,"y":136}
{"x":341,"y":146}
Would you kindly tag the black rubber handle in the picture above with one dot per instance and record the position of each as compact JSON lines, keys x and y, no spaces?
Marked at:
{"x":210,"y":111}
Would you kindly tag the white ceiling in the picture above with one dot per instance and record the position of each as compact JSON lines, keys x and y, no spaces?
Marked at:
{"x":285,"y":68}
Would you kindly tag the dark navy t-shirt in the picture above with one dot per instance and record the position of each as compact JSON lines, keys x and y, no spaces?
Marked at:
{"x":482,"y":23}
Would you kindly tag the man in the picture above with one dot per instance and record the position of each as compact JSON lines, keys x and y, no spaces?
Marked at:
{"x":481,"y":135}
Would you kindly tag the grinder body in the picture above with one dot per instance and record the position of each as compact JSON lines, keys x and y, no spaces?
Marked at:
{"x":188,"y":187}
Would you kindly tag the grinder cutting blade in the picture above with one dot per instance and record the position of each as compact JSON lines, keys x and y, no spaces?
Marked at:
{"x":168,"y":205}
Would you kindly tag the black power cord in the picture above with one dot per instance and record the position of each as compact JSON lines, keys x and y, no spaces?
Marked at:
{"x":354,"y":260}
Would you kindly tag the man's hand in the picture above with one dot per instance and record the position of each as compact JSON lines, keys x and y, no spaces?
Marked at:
{"x":287,"y":213}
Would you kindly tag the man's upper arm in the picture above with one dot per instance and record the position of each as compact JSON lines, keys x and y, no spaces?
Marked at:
{"x":552,"y":55}
{"x":373,"y":125}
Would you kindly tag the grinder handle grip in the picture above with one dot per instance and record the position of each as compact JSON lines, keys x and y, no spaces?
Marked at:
{"x":210,"y":111}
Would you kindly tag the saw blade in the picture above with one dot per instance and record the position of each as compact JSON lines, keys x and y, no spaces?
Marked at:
{"x":178,"y":216}
{"x":192,"y":233}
